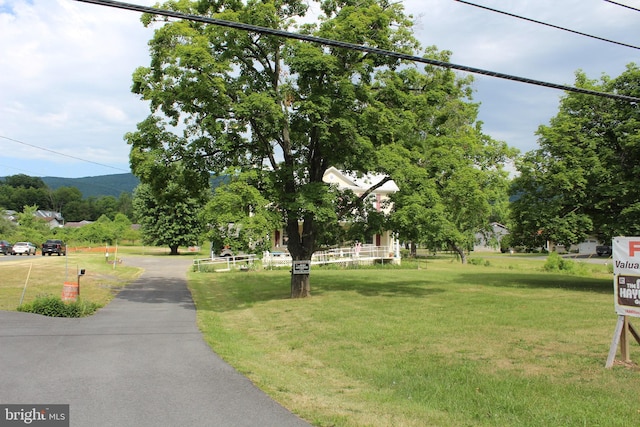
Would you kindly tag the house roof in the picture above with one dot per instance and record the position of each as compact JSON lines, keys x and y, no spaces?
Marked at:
{"x":358,"y":183}
{"x":49,"y":215}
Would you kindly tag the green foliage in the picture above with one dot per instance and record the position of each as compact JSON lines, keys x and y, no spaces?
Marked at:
{"x":65,"y":195}
{"x":30,"y":228}
{"x":554,"y":262}
{"x":96,"y":186}
{"x":451,"y":176}
{"x":24,"y":181}
{"x":479,"y":261}
{"x":238,"y":216}
{"x":557,"y":263}
{"x":7,"y":228}
{"x":168,"y":218}
{"x":583,"y":179}
{"x":52,"y":306}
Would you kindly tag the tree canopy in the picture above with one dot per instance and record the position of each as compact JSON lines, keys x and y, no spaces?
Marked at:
{"x":169,"y":218}
{"x":225,"y":98}
{"x":584,"y":179}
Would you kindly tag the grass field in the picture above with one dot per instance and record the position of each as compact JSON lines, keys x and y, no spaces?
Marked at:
{"x":501,"y":343}
{"x":47,"y":275}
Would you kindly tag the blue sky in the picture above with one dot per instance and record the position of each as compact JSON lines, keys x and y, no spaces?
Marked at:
{"x":66,"y":71}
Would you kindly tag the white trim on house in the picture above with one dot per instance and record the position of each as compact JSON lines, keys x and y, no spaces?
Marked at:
{"x":359,"y":184}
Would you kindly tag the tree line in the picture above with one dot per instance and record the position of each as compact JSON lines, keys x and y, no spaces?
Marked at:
{"x":18,"y":191}
{"x":111,"y":218}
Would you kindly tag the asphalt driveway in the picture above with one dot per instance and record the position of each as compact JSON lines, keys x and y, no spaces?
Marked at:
{"x":141,"y":361}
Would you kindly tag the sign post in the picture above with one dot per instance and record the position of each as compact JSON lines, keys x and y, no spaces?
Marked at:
{"x":626,"y":298}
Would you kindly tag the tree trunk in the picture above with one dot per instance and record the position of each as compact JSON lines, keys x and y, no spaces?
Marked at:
{"x":300,"y":286}
{"x":174,"y":249}
{"x":461,"y":253}
{"x":414,"y":250}
{"x":301,"y":248}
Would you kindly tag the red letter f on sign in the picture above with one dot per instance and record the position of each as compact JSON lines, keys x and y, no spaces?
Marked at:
{"x":633,"y":248}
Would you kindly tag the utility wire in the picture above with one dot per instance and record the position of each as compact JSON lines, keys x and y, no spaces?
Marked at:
{"x":329,"y":42}
{"x":549,"y":25}
{"x":623,"y":5}
{"x":62,"y":154}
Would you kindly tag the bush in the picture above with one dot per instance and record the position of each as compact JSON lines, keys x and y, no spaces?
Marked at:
{"x":49,"y":305}
{"x":405,"y":253}
{"x":553,"y":262}
{"x":479,"y":261}
{"x":556,"y":263}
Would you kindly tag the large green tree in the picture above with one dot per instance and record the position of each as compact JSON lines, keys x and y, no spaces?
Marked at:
{"x":168,"y":218}
{"x":451,"y":175}
{"x":226,"y":98}
{"x":585,"y":177}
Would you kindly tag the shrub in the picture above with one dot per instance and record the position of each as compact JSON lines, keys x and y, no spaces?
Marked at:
{"x":479,"y":261}
{"x":556,"y":263}
{"x":52,"y":306}
{"x":553,"y":262}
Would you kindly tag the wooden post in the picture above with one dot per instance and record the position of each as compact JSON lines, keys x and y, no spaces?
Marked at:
{"x":615,"y":341}
{"x":620,"y":336}
{"x":624,"y":341}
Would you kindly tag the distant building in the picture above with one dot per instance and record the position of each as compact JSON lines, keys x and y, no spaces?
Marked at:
{"x":11,"y":215}
{"x":491,"y":241}
{"x":53,"y":219}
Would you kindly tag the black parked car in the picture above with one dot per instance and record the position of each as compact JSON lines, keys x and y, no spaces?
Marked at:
{"x":5,"y":247}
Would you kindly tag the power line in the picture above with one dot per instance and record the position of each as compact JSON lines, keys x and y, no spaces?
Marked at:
{"x":62,"y":154}
{"x":623,"y":5}
{"x":330,"y":42}
{"x":548,"y":25}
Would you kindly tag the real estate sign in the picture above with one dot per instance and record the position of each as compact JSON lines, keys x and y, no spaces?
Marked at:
{"x":626,"y":275}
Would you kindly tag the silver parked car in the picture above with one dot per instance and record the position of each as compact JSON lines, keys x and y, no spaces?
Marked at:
{"x":23,"y":248}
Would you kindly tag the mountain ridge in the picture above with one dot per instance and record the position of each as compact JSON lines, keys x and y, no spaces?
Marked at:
{"x":96,"y":186}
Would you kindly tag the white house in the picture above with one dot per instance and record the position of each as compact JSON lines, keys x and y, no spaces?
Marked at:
{"x":379,"y":197}
{"x":53,"y":219}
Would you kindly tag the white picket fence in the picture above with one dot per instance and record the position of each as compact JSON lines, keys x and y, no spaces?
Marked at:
{"x":366,"y":254}
{"x":227,"y":263}
{"x":347,"y":256}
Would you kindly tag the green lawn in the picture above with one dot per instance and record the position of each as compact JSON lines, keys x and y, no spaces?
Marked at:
{"x":47,"y":275}
{"x":503,"y":344}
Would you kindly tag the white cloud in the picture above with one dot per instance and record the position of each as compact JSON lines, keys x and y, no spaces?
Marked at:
{"x":66,"y":70}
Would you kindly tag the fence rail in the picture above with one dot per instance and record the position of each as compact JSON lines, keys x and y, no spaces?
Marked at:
{"x":366,"y":254}
{"x":227,"y":263}
{"x":362,"y":255}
